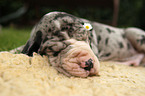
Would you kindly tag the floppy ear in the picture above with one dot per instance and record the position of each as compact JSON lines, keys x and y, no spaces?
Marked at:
{"x":33,"y":45}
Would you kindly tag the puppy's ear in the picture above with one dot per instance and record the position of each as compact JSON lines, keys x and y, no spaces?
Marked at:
{"x":33,"y":44}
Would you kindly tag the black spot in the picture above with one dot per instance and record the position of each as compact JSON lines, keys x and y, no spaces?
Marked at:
{"x":108,"y":30}
{"x":91,"y":34}
{"x":108,"y":54}
{"x":71,"y":29}
{"x":56,"y":33}
{"x":38,"y":37}
{"x":52,"y":37}
{"x":40,"y":22}
{"x":106,"y":41}
{"x":50,"y":48}
{"x":70,"y":24}
{"x":100,"y":30}
{"x":89,"y":64}
{"x":123,"y":35}
{"x":49,"y":30}
{"x":56,"y":53}
{"x":25,"y":49}
{"x":121,"y":45}
{"x":90,"y":39}
{"x":50,"y":21}
{"x":64,"y":28}
{"x":45,"y":39}
{"x":99,"y":38}
{"x":142,"y":41}
{"x":99,"y":50}
{"x":91,"y":29}
{"x":82,"y":23}
{"x":128,"y":46}
{"x":42,"y":52}
{"x":64,"y":21}
{"x":30,"y":48}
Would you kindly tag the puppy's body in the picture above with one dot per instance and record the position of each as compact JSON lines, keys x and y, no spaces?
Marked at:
{"x":57,"y":34}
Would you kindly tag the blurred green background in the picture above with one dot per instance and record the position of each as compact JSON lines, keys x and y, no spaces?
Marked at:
{"x":17,"y":17}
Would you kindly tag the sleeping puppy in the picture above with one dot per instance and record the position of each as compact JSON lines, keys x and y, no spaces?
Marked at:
{"x":74,"y":45}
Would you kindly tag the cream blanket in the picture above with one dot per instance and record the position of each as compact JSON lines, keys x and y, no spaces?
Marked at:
{"x":21,"y":75}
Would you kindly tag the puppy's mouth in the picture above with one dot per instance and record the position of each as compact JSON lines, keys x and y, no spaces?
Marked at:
{"x":80,"y":60}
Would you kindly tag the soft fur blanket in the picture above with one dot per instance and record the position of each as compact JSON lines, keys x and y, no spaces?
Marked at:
{"x":21,"y":75}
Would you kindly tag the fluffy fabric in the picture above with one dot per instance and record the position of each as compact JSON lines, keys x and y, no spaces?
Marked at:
{"x":21,"y":75}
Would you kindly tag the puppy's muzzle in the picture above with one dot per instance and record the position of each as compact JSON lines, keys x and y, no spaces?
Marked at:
{"x":79,"y":60}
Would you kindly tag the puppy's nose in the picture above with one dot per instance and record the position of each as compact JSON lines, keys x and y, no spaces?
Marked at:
{"x":89,"y":64}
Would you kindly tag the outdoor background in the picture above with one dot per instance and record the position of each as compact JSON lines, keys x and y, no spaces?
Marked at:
{"x":17,"y":17}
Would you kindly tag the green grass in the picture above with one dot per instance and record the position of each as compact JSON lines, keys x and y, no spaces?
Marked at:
{"x":11,"y":38}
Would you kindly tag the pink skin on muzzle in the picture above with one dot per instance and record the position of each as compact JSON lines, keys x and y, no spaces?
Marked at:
{"x":80,"y":60}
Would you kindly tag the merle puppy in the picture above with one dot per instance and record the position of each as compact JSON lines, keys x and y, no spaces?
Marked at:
{"x":74,"y":45}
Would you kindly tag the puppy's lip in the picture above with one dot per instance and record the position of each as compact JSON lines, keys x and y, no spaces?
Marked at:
{"x":93,"y":72}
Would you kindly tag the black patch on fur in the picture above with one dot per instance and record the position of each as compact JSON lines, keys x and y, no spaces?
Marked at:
{"x":29,"y":49}
{"x":128,"y":46}
{"x":123,"y":35}
{"x":56,"y":53}
{"x":70,"y":24}
{"x":24,"y":51}
{"x":109,"y":30}
{"x":49,"y":30}
{"x":64,"y":21}
{"x":50,"y":48}
{"x":142,"y":41}
{"x":91,"y":29}
{"x":64,"y":28}
{"x":90,"y":41}
{"x":121,"y":45}
{"x":56,"y":33}
{"x":45,"y":39}
{"x":90,"y":38}
{"x":99,"y":50}
{"x":42,"y":52}
{"x":106,"y":41}
{"x":91,"y":34}
{"x":40,"y":22}
{"x":99,"y":39}
{"x":108,"y":54}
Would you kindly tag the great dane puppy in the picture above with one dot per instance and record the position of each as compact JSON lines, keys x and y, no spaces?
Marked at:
{"x":74,"y":45}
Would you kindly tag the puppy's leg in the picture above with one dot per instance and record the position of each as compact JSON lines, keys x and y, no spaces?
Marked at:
{"x":17,"y":50}
{"x":137,"y":38}
{"x":134,"y":60}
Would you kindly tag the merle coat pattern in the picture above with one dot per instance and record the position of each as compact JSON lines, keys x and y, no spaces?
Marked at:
{"x":58,"y":33}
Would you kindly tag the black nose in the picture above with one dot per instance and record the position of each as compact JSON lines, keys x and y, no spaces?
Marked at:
{"x":89,"y":64}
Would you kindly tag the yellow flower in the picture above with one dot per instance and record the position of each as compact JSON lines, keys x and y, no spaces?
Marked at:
{"x":88,"y":26}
